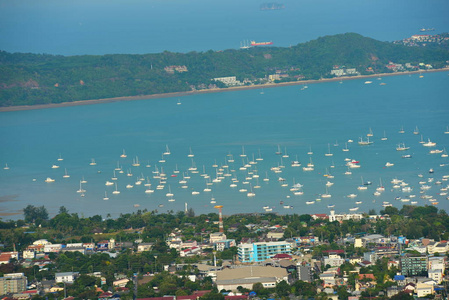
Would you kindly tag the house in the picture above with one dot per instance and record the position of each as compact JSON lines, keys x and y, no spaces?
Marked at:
{"x":66,"y":277}
{"x":230,"y":279}
{"x":224,"y":244}
{"x":120,"y":282}
{"x":333,"y":260}
{"x":423,"y":289}
{"x":144,"y":247}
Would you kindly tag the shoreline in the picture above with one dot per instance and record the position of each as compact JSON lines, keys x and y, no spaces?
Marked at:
{"x":181,"y":94}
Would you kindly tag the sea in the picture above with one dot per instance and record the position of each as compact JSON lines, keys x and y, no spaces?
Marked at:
{"x":246,"y":138}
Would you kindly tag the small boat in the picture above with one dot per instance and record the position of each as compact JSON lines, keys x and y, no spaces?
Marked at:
{"x":92,"y":162}
{"x":81,"y":190}
{"x":179,"y":102}
{"x":60,"y":158}
{"x":278,"y":152}
{"x":329,"y":151}
{"x":407,"y":156}
{"x":345,"y":149}
{"x":368,"y":82}
{"x":416,"y":131}
{"x":401,"y":130}
{"x":49,"y":180}
{"x":364,"y":142}
{"x":6,"y":167}
{"x":310,"y":151}
{"x":116,"y":192}
{"x":429,"y":144}
{"x":55,"y":167}
{"x":354,"y":209}
{"x":389,"y":164}
{"x":190,"y":153}
{"x":370,"y":133}
{"x":105,"y":196}
{"x":167,"y":150}
{"x":66,"y":175}
{"x":401,"y":147}
{"x":123,"y":155}
{"x":384,"y":138}
{"x":447,"y":130}
{"x":243,"y":152}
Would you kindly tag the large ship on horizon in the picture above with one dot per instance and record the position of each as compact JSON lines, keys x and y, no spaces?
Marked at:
{"x":254,"y":43}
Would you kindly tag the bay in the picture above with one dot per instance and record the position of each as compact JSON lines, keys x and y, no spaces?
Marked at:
{"x":296,"y":119}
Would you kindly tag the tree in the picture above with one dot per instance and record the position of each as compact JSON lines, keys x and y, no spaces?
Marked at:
{"x":282,"y":289}
{"x":35,"y":214}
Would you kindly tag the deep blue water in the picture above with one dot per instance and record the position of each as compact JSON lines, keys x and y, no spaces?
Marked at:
{"x":148,"y":26}
{"x":215,"y":125}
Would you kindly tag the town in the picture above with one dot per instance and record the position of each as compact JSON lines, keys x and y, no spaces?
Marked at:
{"x":397,"y":253}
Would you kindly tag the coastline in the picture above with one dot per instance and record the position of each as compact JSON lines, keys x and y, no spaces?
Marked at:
{"x":181,"y":94}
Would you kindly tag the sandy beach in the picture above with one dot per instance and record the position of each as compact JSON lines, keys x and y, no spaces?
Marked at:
{"x":181,"y":94}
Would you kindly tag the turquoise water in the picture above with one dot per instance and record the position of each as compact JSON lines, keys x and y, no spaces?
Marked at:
{"x":216,"y":125}
{"x":151,"y":26}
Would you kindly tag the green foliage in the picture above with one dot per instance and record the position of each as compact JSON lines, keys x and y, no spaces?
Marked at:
{"x":30,"y":79}
{"x":35,"y":214}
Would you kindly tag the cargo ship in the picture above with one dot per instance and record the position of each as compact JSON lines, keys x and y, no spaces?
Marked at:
{"x":254,"y":43}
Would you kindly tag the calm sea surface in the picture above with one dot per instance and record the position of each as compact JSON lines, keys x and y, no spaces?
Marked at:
{"x":148,"y":26}
{"x":218,"y":127}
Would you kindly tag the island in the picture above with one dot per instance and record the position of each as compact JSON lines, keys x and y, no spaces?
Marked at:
{"x":32,"y":80}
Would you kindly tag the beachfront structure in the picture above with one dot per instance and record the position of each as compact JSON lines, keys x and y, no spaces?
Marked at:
{"x":261,"y":251}
{"x":230,"y":279}
{"x":228,"y":81}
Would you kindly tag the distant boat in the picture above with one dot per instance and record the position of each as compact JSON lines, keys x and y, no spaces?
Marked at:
{"x":345,"y":149}
{"x":49,"y":180}
{"x":416,"y":131}
{"x":54,"y":166}
{"x":329,"y":151}
{"x":167,"y":150}
{"x":116,"y":192}
{"x":368,"y":82}
{"x":123,"y":155}
{"x":81,"y":190}
{"x":401,"y":147}
{"x":384,"y":138}
{"x":60,"y":158}
{"x":92,"y":162}
{"x":65,"y":175}
{"x":6,"y":167}
{"x":429,"y":144}
{"x":364,"y":142}
{"x":105,"y":196}
{"x":401,"y":130}
{"x":179,"y":102}
{"x":190,"y":153}
{"x":447,"y":130}
{"x":370,"y":133}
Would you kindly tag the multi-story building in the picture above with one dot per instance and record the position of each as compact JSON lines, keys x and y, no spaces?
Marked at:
{"x":413,"y":265}
{"x":13,"y":283}
{"x":217,"y":236}
{"x":261,"y":251}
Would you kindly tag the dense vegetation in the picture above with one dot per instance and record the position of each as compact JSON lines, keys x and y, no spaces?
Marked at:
{"x":29,"y":79}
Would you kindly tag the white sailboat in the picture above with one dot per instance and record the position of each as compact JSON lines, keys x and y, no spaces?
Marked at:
{"x":123,"y":155}
{"x":416,"y":131}
{"x":92,"y":162}
{"x":384,"y":138}
{"x":105,"y":196}
{"x":66,"y":175}
{"x":167,"y":150}
{"x":60,"y":157}
{"x":81,"y":190}
{"x":6,"y":167}
{"x":116,"y":192}
{"x":345,"y":149}
{"x":329,"y":151}
{"x":190,"y":153}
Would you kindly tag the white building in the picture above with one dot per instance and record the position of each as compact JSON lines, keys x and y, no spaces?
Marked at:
{"x":334,"y":260}
{"x":49,"y":248}
{"x":67,"y":277}
{"x":217,"y":236}
{"x":257,"y":252}
{"x":229,"y":81}
{"x":342,"y":217}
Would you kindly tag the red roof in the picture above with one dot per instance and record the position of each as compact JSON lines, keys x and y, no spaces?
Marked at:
{"x":338,"y":251}
{"x":5,"y":257}
{"x":282,"y":256}
{"x":369,"y":276}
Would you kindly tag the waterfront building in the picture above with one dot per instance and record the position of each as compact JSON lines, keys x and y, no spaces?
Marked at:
{"x":261,"y":251}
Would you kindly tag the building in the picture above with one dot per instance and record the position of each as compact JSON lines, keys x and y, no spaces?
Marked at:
{"x":228,"y":81}
{"x":334,"y":260}
{"x":217,"y":236}
{"x":144,"y":247}
{"x":423,"y":289}
{"x":261,"y":251}
{"x":66,"y":277}
{"x":230,"y":279}
{"x":13,"y":283}
{"x":413,"y":265}
{"x":305,"y":273}
{"x":342,"y":217}
{"x":224,"y":244}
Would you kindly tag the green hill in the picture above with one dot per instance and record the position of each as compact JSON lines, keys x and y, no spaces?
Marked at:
{"x":29,"y":79}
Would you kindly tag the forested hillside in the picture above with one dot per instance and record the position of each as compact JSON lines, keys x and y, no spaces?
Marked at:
{"x":29,"y":79}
